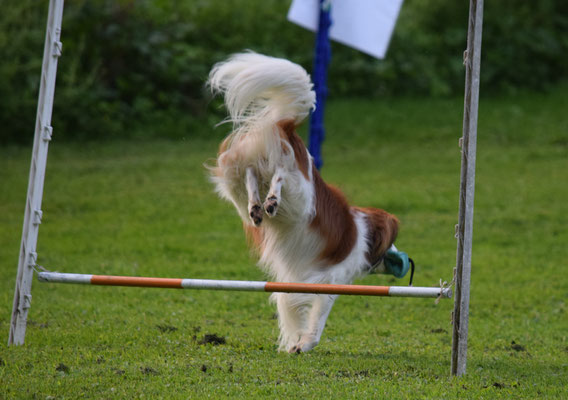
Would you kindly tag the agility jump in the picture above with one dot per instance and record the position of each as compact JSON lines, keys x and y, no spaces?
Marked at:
{"x":245,"y":286}
{"x":464,"y":229}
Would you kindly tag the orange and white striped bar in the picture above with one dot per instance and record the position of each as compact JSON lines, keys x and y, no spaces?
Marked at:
{"x":251,"y":286}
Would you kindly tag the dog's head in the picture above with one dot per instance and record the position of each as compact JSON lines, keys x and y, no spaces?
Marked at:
{"x":383,"y":229}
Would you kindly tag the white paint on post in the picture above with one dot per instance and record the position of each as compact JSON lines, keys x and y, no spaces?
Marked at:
{"x":213,"y":284}
{"x":33,"y":213}
{"x":58,"y":277}
{"x":410,"y":291}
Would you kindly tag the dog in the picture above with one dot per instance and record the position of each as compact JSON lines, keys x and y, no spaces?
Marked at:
{"x":303,"y":229}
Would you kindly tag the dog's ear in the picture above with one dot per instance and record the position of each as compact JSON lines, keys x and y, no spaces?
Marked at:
{"x":383,"y":229}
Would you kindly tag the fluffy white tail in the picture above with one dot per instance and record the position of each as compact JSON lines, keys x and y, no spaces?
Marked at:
{"x":259,"y":88}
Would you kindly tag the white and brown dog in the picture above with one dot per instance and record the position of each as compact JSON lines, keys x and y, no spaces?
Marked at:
{"x":304,"y":230}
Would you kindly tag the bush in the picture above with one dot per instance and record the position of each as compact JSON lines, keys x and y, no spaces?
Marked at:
{"x":21,"y":50}
{"x":137,"y":67}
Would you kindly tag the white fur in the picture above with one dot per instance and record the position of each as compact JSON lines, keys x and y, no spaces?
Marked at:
{"x":292,"y":257}
{"x":259,"y":92}
{"x":259,"y":89}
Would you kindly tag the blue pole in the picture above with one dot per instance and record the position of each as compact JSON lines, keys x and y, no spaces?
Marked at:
{"x":321,"y":60}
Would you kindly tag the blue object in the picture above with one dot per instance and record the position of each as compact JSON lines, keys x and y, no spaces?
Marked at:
{"x":321,"y":61}
{"x":397,"y":263}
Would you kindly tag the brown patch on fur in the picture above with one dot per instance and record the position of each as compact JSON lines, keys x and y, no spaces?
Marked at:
{"x":217,"y":170}
{"x":333,"y":221}
{"x":288,"y":132}
{"x":255,"y":237}
{"x":383,"y":229}
{"x":224,"y":145}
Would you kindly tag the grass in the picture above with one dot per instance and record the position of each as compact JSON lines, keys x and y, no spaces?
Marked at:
{"x":146,"y":208}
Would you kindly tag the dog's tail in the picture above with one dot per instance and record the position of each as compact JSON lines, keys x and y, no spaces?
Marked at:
{"x":259,"y":88}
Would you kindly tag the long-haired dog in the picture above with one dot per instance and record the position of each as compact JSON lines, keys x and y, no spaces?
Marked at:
{"x":304,"y":230}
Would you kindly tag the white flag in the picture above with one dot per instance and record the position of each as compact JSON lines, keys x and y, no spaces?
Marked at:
{"x":365,"y":25}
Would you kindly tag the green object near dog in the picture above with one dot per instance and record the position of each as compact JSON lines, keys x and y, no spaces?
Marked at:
{"x":397,"y":263}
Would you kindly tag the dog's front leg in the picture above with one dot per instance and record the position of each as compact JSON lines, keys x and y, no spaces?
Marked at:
{"x":321,"y":307}
{"x":274,"y":194}
{"x":291,"y":315}
{"x":254,"y":207}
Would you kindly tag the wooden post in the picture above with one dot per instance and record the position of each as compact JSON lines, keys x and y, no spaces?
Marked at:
{"x":460,"y":317}
{"x":33,"y":213}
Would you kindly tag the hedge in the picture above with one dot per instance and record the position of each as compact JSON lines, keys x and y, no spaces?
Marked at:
{"x":136,"y":68}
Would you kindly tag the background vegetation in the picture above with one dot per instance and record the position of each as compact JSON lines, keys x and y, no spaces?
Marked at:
{"x":136,"y":68}
{"x":146,"y":208}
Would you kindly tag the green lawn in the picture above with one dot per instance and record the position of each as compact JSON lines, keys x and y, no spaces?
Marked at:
{"x":146,"y":208}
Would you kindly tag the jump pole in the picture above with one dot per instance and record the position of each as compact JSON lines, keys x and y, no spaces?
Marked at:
{"x":464,"y":229}
{"x":247,"y":286}
{"x":33,"y":213}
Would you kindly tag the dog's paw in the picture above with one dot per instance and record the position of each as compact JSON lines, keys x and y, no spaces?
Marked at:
{"x":271,"y":206}
{"x":295,"y":349}
{"x":256,"y":214}
{"x":304,"y":345}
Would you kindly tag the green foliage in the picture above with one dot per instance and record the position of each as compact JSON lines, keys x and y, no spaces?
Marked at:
{"x":137,"y":67}
{"x":526,"y":44}
{"x":147,"y":208}
{"x":21,"y":51}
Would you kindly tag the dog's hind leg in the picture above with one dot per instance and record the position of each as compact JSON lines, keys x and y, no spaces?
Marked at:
{"x":274,"y":194}
{"x":321,"y":307}
{"x":254,"y":207}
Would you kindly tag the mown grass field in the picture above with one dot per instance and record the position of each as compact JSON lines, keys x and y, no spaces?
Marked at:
{"x":146,"y":208}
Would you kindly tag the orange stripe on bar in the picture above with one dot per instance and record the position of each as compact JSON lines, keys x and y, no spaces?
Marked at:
{"x":361,"y":290}
{"x":108,"y":280}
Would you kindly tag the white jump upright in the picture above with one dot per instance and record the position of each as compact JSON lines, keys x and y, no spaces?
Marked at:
{"x":464,"y":231}
{"x":33,"y":213}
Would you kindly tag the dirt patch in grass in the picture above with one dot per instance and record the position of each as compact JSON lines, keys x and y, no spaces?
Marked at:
{"x":212,"y":338}
{"x":517,"y":347}
{"x":62,"y":368}
{"x":166,"y":328}
{"x":148,"y":371}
